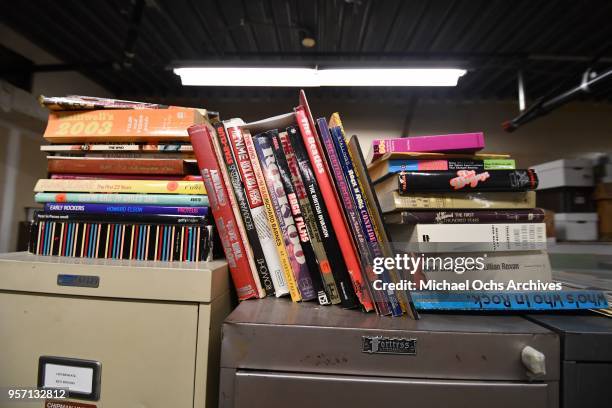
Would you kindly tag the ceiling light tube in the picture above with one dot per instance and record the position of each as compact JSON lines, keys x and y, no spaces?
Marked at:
{"x":311,"y":77}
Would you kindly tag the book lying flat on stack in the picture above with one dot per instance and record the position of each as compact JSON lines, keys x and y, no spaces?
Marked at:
{"x":446,"y":202}
{"x":295,"y":210}
{"x":100,"y":202}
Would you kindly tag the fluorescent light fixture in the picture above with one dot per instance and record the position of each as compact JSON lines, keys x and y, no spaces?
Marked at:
{"x":312,"y":77}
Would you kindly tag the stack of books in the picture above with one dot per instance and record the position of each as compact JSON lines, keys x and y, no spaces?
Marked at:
{"x":295,"y":211}
{"x":123,"y":183}
{"x":471,"y":211}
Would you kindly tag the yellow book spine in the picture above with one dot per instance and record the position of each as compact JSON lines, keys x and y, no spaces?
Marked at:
{"x":121,"y":186}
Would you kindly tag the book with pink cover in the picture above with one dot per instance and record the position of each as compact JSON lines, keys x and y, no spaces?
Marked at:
{"x":461,"y":142}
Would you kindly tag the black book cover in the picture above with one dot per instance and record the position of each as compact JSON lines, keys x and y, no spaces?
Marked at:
{"x":328,"y":236}
{"x":300,"y":223}
{"x":466,"y":180}
{"x":122,"y":218}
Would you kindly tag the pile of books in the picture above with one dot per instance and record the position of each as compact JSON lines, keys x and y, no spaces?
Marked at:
{"x":123,"y":183}
{"x":295,"y":211}
{"x":441,"y":197}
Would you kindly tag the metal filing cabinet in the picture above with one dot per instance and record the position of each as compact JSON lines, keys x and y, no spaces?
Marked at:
{"x":153,"y":328}
{"x":277,"y":353}
{"x":586,"y":370}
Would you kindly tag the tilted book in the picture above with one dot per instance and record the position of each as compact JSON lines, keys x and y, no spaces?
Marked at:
{"x":322,"y":175}
{"x":275,"y":228}
{"x":243,"y":207}
{"x":255,"y":203}
{"x":282,"y":208}
{"x":325,"y":244}
{"x":393,"y":201}
{"x":385,"y":301}
{"x":300,"y":222}
{"x":462,"y":142}
{"x":121,"y":186}
{"x":225,"y":220}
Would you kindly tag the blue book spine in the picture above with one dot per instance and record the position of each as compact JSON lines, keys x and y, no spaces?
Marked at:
{"x":138,"y":199}
{"x":510,"y":300}
{"x":365,"y":222}
{"x":79,"y":208}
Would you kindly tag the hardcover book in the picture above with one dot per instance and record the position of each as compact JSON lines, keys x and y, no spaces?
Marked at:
{"x":393,"y":201}
{"x":119,"y":147}
{"x":460,"y":180}
{"x":225,"y":220}
{"x":243,"y":207}
{"x":122,"y":125}
{"x":465,"y":217}
{"x":101,"y":165}
{"x":121,"y":186}
{"x":462,"y":142}
{"x":78,"y":102}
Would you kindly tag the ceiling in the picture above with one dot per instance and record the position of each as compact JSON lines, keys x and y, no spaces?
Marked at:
{"x":551,"y":42}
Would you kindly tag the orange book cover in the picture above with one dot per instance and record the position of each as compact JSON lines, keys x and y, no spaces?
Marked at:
{"x":122,"y":125}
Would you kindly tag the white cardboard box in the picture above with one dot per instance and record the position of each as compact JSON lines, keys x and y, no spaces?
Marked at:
{"x":565,"y":173}
{"x":576,"y":226}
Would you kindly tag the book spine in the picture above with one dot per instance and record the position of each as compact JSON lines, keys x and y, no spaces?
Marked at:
{"x":282,"y":208}
{"x":186,"y":243}
{"x":255,"y":202}
{"x":373,"y":206}
{"x":300,"y":223}
{"x":103,"y":198}
{"x":233,"y":246}
{"x":329,"y":200}
{"x":121,"y":186}
{"x":363,"y":222}
{"x":119,"y":166}
{"x":122,"y":218}
{"x":272,"y":220}
{"x":382,"y":299}
{"x":396,"y":166}
{"x":75,"y":176}
{"x":466,"y":217}
{"x":121,"y":125}
{"x":467,"y":201}
{"x":77,"y":102}
{"x":315,"y":229}
{"x":125,"y":209}
{"x":122,"y":147}
{"x":436,"y":143}
{"x":461,"y":180}
{"x":245,"y":211}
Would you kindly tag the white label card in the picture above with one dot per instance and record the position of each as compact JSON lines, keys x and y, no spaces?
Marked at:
{"x":76,"y":379}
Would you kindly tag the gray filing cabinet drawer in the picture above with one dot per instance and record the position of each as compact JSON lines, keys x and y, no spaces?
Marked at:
{"x":311,"y":390}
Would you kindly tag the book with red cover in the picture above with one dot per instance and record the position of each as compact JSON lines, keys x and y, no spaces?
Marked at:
{"x":330,"y":197}
{"x":223,"y":214}
{"x":100,"y":165}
